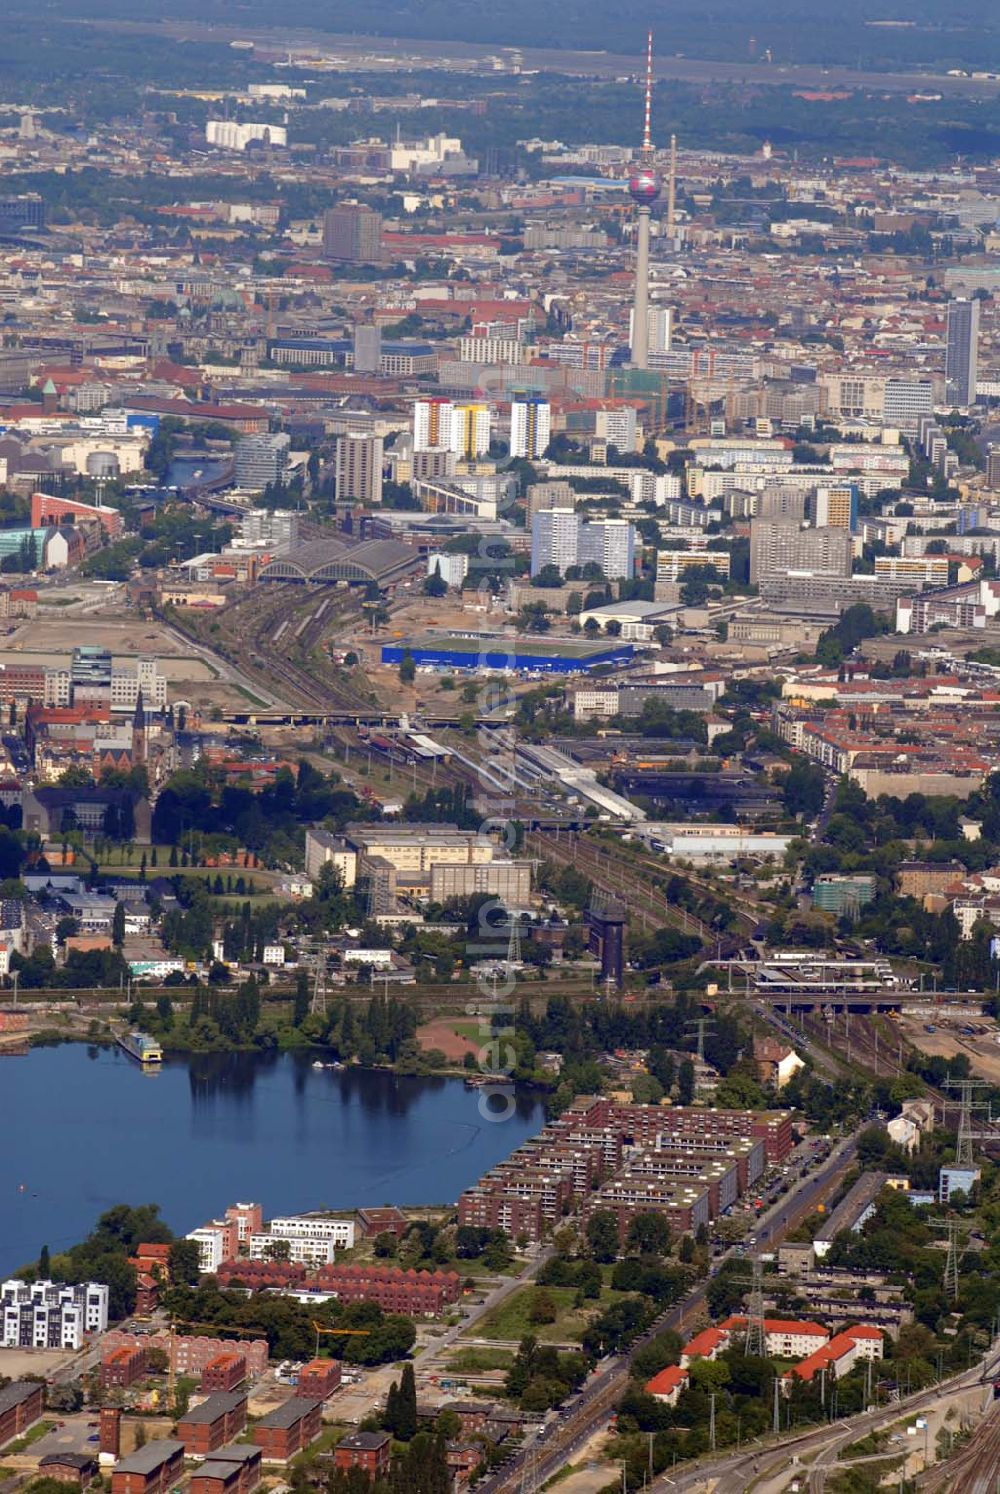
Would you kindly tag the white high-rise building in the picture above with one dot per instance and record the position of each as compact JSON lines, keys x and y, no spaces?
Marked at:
{"x":441,"y":425}
{"x":452,"y":569}
{"x":618,"y":426}
{"x":555,"y":539}
{"x":432,"y":424}
{"x":358,"y":475}
{"x":660,"y":322}
{"x":561,"y":538}
{"x":470,"y":431}
{"x":609,"y":543}
{"x":530,"y":426}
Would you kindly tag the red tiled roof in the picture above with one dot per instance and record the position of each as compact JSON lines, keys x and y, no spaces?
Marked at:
{"x":667,"y":1380}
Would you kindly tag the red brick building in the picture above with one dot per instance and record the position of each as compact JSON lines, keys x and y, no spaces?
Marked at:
{"x":224,"y":1372}
{"x":153,"y":1469}
{"x":463,"y":1459}
{"x":110,"y":1425}
{"x":393,"y":1289}
{"x":382,"y":1222}
{"x":191,"y":1353}
{"x":21,"y":1404}
{"x":215,"y":1422}
{"x":288,"y":1429}
{"x":123,"y":1367}
{"x":76,"y":1469}
{"x":256,"y":1275}
{"x":230,"y":1470}
{"x":371,"y":1451}
{"x":319,"y":1378}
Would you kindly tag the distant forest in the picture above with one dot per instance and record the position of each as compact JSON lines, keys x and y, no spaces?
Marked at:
{"x":928,"y":33}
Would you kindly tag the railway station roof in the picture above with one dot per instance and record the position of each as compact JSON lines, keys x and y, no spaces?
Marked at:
{"x":330,"y":560}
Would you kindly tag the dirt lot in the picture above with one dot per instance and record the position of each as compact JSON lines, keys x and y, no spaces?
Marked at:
{"x":454,"y":1039}
{"x":17,"y":1362}
{"x":50,"y":640}
{"x":947,"y":1041}
{"x":50,"y":637}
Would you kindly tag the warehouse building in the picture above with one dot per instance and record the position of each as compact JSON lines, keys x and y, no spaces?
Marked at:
{"x":493,"y":653}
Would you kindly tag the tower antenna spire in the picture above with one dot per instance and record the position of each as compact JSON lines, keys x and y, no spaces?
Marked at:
{"x":647,"y":119}
{"x":644,"y":189}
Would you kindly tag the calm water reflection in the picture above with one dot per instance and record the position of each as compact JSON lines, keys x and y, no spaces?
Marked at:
{"x":83,"y":1128}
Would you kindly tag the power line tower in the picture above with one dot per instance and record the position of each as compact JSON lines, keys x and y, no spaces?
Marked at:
{"x":701,"y":1026}
{"x":952,"y":1260}
{"x":317,"y":1006}
{"x":529,"y":1472}
{"x":513,"y":942}
{"x":756,"y":1342}
{"x":966,"y":1135}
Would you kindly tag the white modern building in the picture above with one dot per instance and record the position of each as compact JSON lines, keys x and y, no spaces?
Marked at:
{"x":561,"y":538}
{"x":530,"y":426}
{"x":228,"y":135}
{"x":441,"y":425}
{"x":211,"y":1241}
{"x":700,"y":842}
{"x":555,"y":539}
{"x":452,"y":569}
{"x":339,"y":1232}
{"x":609,"y":543}
{"x":660,"y":320}
{"x":145,"y":676}
{"x":267,"y":1246}
{"x":50,"y":1314}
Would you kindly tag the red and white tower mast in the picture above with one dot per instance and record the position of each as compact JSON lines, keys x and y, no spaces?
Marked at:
{"x":644,"y":189}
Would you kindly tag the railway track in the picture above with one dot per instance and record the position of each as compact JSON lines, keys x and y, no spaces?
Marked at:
{"x":975,"y":1468}
{"x":646,"y":904}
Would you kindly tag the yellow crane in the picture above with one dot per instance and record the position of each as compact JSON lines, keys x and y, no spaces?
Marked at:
{"x":340,"y":1332}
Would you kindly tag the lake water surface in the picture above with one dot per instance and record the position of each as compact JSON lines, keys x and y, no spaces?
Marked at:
{"x":82,"y":1128}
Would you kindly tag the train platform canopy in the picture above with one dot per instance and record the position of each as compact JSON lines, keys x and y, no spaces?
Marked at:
{"x":330,"y":560}
{"x":422,"y":746}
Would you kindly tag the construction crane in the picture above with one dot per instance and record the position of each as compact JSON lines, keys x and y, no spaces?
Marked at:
{"x":340,"y":1332}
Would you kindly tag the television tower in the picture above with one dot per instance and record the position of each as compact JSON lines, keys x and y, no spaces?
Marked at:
{"x":644,"y":189}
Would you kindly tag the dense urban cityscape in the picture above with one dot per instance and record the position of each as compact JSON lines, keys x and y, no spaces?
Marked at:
{"x":499,"y":750}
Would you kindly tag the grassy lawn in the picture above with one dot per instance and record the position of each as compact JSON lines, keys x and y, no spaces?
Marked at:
{"x":36,"y":1432}
{"x":479,"y":1361}
{"x":468,"y":1030}
{"x":512,"y":1319}
{"x":328,"y":1438}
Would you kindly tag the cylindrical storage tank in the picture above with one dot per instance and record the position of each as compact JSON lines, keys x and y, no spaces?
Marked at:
{"x":102,"y":464}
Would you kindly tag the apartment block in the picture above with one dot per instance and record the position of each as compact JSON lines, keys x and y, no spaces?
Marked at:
{"x":214,"y":1422}
{"x":21,"y":1405}
{"x":224,"y":1372}
{"x":318,"y":1379}
{"x":51,"y":1315}
{"x":288,"y":1429}
{"x":370,"y":1451}
{"x":235,"y":1469}
{"x":123,"y":1367}
{"x":153,"y":1469}
{"x":394,"y":1290}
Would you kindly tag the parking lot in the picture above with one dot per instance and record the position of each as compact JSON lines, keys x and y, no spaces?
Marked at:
{"x":71,"y":1434}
